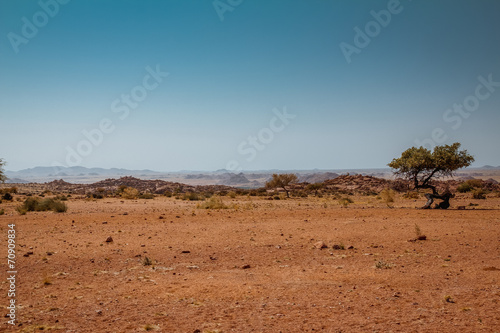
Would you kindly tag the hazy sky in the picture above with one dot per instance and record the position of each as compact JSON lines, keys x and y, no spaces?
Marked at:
{"x":254,"y":84}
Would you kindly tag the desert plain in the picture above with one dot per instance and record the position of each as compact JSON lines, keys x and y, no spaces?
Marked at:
{"x":295,"y":265}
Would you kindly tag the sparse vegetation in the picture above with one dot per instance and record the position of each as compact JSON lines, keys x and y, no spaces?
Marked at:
{"x":411,"y":195}
{"x":387,"y":196}
{"x":191,"y":196}
{"x":479,"y":194}
{"x":315,"y":188}
{"x":215,"y":202}
{"x":418,"y":233}
{"x":36,"y":205}
{"x":129,"y":193}
{"x":420,"y":166}
{"x":381,"y":264}
{"x":282,"y":181}
{"x":147,"y":261}
{"x":147,"y":196}
{"x":345,"y":201}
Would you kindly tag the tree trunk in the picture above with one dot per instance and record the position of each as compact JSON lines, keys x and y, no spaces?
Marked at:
{"x":445,"y":197}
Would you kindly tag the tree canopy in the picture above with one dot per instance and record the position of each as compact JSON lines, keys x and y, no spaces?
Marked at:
{"x":420,"y":165}
{"x":282,"y":181}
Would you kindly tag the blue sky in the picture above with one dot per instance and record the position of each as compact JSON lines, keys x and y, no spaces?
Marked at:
{"x":67,"y":67}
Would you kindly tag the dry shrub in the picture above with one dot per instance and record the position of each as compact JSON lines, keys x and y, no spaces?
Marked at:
{"x":214,"y":202}
{"x":388,"y":196}
{"x":130,"y":193}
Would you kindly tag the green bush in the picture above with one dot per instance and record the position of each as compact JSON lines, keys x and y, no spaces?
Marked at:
{"x":479,"y":194}
{"x":464,"y":188}
{"x":470,"y":185}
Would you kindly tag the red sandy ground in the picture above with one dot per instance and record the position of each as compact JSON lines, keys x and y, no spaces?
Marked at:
{"x":255,"y":268}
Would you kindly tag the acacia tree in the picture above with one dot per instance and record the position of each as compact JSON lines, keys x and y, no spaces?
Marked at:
{"x":282,"y":181}
{"x":420,"y":166}
{"x":315,"y":187}
{"x":3,"y":178}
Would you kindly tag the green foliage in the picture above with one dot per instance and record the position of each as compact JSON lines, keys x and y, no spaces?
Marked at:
{"x":470,"y":185}
{"x":420,"y":165}
{"x":479,"y":194}
{"x":464,"y":187}
{"x":315,"y":187}
{"x":231,"y":194}
{"x":37,"y":205}
{"x":282,"y":181}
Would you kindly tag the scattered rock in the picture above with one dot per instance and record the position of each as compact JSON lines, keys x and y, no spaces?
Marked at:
{"x":461,"y":208}
{"x":350,"y":247}
{"x":492,"y":268}
{"x":247,"y":266}
{"x":338,"y":247}
{"x":105,"y":222}
{"x":422,"y":237}
{"x":320,"y":245}
{"x":109,"y":239}
{"x":27,"y":254}
{"x":186,"y":251}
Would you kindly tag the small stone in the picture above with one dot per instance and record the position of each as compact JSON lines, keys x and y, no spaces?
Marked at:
{"x":320,"y":245}
{"x":247,"y":266}
{"x":109,"y":239}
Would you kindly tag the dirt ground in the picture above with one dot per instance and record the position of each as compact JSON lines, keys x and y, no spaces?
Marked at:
{"x":256,"y":267}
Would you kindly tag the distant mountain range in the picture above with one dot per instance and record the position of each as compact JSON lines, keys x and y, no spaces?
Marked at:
{"x":250,"y":179}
